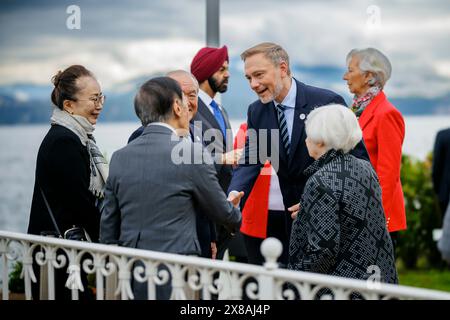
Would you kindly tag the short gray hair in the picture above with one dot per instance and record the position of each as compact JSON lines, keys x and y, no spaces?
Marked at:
{"x":175,"y":74}
{"x":335,"y":126}
{"x":372,"y":60}
{"x":271,"y":51}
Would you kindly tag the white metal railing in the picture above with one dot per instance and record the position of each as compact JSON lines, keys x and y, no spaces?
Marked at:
{"x":188,"y":276}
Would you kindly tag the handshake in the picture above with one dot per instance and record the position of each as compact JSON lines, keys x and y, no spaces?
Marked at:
{"x":231,"y":157}
{"x":235,"y":197}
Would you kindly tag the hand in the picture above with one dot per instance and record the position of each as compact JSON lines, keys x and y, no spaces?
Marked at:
{"x":235,"y":197}
{"x":232,"y":157}
{"x":213,"y":250}
{"x":294,"y":210}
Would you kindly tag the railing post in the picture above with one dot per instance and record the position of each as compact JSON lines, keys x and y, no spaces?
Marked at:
{"x":27,"y":270}
{"x":43,"y":282}
{"x":98,"y":265}
{"x":271,"y":249}
{"x":51,"y":273}
{"x":5,"y":279}
{"x":111,"y":286}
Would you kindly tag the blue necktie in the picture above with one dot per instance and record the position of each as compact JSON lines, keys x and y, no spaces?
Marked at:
{"x":219,"y":117}
{"x":282,"y":125}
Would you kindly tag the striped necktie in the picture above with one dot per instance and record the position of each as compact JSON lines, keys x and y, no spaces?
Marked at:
{"x":282,"y":125}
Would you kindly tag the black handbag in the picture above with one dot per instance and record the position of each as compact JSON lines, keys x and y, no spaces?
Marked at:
{"x":74,"y":233}
{"x":77,"y":233}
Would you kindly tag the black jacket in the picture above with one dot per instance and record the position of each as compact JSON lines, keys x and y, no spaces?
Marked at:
{"x":341,"y":228}
{"x":63,"y":173}
{"x":441,"y":168}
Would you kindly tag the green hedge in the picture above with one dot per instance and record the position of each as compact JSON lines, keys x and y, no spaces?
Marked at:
{"x":16,"y":284}
{"x":422,"y":215}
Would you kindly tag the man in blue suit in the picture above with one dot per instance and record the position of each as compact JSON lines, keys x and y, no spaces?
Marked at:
{"x":283,"y":106}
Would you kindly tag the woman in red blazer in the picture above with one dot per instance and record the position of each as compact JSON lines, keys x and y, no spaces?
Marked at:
{"x":383,"y":128}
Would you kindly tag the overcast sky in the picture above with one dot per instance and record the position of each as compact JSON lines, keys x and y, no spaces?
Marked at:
{"x":120,"y":40}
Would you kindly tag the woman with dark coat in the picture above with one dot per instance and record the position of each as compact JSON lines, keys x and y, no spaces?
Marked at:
{"x":340,"y":229}
{"x":70,"y":169}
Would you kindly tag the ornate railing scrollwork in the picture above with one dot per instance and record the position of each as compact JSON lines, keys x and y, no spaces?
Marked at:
{"x":186,"y":277}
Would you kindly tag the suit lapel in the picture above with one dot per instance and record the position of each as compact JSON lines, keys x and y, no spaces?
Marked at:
{"x":225,"y":117}
{"x":205,"y":115}
{"x":368,"y":113}
{"x":297,"y":128}
{"x":228,"y":127}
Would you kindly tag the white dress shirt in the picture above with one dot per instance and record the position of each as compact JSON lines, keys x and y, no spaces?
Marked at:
{"x":206,"y":100}
{"x":289,"y":103}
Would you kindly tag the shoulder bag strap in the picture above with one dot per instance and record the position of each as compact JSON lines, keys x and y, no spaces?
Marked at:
{"x":50,"y":212}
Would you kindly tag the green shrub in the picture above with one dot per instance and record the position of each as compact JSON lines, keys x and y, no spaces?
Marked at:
{"x":422,"y":215}
{"x":16,"y":284}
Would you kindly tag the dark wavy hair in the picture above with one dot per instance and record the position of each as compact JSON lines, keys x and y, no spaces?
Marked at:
{"x":65,"y":84}
{"x":155,"y":98}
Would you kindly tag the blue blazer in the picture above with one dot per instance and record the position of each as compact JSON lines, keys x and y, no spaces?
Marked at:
{"x":290,"y":169}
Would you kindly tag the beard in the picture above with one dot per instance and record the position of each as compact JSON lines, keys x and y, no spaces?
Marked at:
{"x":276,"y":93}
{"x":217,"y":86}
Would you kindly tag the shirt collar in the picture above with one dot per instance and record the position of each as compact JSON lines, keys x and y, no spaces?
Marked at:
{"x":163,"y":124}
{"x":205,"y":97}
{"x":291,"y":97}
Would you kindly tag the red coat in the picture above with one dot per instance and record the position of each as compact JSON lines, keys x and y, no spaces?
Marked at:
{"x":383,"y":131}
{"x":255,"y":212}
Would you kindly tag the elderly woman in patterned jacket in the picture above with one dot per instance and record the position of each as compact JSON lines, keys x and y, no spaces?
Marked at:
{"x":340,"y":229}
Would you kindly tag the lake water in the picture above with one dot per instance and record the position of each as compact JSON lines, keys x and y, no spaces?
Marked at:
{"x":19,"y":146}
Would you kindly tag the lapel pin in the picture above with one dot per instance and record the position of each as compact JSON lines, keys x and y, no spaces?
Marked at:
{"x":302,"y":116}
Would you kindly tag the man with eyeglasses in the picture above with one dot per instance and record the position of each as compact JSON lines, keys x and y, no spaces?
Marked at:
{"x":159,"y":198}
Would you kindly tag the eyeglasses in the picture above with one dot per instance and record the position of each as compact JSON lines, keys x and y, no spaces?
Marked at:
{"x":97,"y":99}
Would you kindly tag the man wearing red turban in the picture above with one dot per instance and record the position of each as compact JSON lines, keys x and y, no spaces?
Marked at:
{"x":210,"y":67}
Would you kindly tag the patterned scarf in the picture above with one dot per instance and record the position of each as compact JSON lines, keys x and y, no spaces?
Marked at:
{"x":84,"y":129}
{"x":359,"y":104}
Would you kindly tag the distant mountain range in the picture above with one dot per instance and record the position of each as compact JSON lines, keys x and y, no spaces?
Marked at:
{"x":29,"y":103}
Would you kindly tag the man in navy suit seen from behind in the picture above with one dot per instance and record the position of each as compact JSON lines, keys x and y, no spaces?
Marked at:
{"x":284,"y":104}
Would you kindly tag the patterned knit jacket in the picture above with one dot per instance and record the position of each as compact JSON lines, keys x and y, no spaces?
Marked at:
{"x":341,"y":228}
